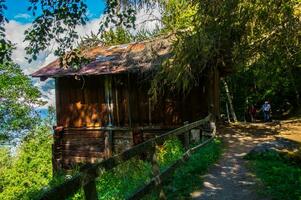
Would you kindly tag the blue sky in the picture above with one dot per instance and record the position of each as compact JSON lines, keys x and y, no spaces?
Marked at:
{"x":17,"y":10}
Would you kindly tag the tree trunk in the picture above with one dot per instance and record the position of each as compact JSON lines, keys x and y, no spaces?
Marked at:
{"x":229,"y":100}
{"x":295,"y":87}
{"x":227,"y":110}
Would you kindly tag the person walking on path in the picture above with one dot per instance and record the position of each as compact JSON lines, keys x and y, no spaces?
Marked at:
{"x":266,"y":109}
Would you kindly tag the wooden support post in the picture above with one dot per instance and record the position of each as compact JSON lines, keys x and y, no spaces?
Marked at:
{"x":149,"y":111}
{"x":108,"y":143}
{"x":117,"y":105}
{"x":57,"y":156}
{"x":213,"y":128}
{"x":156,"y":172}
{"x":90,"y":191}
{"x":54,"y":163}
{"x":129,"y":101}
{"x":202,"y":135}
{"x":186,"y":137}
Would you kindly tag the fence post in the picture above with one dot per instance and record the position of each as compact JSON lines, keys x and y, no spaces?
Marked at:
{"x":90,"y":190}
{"x":156,"y":172}
{"x":57,"y":156}
{"x":108,"y":143}
{"x":186,"y":137}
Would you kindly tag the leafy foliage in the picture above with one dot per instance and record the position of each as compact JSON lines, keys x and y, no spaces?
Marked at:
{"x":119,"y":13}
{"x":6,"y":46}
{"x":170,"y":151}
{"x":118,"y":36}
{"x":178,"y":15}
{"x":257,"y":39}
{"x":59,"y":19}
{"x":30,"y":170}
{"x":17,"y":98}
{"x":122,"y":181}
{"x":56,"y":24}
{"x":270,"y":70}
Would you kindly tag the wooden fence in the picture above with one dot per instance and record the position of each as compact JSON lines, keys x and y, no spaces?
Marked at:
{"x":86,"y":178}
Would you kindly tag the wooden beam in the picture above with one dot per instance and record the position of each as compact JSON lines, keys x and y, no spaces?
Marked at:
{"x":150,"y":111}
{"x":186,"y":138}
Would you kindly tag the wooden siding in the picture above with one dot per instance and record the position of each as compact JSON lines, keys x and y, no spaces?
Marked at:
{"x":82,"y":112}
{"x":81,"y":103}
{"x":170,"y":110}
{"x":82,"y":145}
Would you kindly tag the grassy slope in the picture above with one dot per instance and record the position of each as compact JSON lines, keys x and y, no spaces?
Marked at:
{"x":281,"y":179}
{"x":188,"y":178}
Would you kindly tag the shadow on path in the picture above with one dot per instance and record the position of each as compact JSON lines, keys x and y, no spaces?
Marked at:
{"x":229,"y":179}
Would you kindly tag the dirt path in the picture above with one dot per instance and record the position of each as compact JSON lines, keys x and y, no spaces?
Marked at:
{"x":229,"y":179}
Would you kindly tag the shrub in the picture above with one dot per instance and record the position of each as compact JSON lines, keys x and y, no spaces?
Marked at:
{"x":30,"y":170}
{"x":170,"y":151}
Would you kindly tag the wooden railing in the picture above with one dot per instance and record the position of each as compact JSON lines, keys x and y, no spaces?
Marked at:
{"x":86,"y":178}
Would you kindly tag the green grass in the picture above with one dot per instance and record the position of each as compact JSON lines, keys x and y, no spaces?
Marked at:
{"x":281,"y":179}
{"x":122,"y":181}
{"x":188,"y":177}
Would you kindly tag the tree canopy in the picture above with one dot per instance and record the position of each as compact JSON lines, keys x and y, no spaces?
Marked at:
{"x":17,"y":98}
{"x":259,"y":39}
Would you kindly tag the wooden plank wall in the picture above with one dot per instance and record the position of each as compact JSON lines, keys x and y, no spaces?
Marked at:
{"x":170,"y":110}
{"x":81,"y":103}
{"x":82,"y":111}
{"x":80,"y":145}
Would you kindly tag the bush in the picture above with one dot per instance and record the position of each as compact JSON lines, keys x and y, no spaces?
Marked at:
{"x":25,"y":174}
{"x":170,"y":151}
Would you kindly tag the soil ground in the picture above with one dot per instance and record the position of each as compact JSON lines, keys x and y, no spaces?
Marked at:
{"x":291,"y":129}
{"x":229,"y":178}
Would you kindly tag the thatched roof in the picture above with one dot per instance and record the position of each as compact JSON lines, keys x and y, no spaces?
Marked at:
{"x":133,"y":57}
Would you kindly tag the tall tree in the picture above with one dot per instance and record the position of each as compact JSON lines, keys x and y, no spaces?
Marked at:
{"x":229,"y":97}
{"x":262,"y":36}
{"x":17,"y":98}
{"x":5,"y":45}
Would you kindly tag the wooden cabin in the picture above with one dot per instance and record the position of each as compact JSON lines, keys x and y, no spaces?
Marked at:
{"x":104,"y":107}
